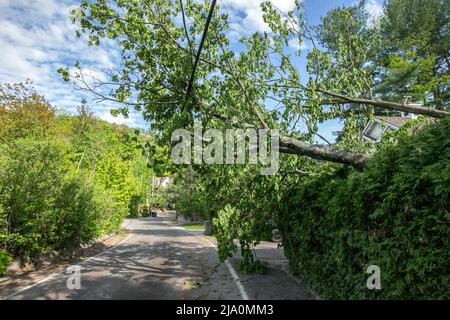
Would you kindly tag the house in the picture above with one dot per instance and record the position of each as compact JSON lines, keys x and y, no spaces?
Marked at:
{"x":162,"y":182}
{"x":379,"y":126}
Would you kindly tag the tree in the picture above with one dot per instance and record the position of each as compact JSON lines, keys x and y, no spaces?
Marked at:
{"x":115,"y":175}
{"x":236,"y":88}
{"x":414,"y":58}
{"x":23,"y":112}
{"x":64,"y":180}
{"x":258,"y":87}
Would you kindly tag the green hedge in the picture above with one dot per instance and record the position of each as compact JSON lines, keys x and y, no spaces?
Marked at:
{"x":394,"y":214}
{"x":5,"y":260}
{"x":45,"y":207}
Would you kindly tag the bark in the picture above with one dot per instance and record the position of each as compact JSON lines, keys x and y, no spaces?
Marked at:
{"x":391,"y":105}
{"x":289,"y":145}
{"x":328,"y":153}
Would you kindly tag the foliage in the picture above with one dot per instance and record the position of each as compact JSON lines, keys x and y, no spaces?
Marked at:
{"x":64,"y":180}
{"x":413,"y":57}
{"x":348,"y":217}
{"x":23,"y":112}
{"x":226,"y":231}
{"x":155,"y":59}
{"x":115,"y":175}
{"x":231,"y":224}
{"x":161,"y":200}
{"x":5,"y":260}
{"x":394,"y":215}
{"x":344,"y":66}
{"x":189,"y":195}
{"x":31,"y":176}
{"x":46,"y":207}
{"x":193,"y":226}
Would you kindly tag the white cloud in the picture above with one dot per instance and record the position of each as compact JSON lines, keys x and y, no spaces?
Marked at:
{"x":375,"y":10}
{"x":294,"y":44}
{"x":36,"y":39}
{"x":133,"y":119}
{"x":246,"y":16}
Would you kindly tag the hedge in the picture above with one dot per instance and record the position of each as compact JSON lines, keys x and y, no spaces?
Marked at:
{"x":394,"y":214}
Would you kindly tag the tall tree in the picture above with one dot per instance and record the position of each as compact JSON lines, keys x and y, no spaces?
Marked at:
{"x":414,"y":58}
{"x":23,"y":112}
{"x":156,"y":70}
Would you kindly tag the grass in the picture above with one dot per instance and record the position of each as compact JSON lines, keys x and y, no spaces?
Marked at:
{"x":193,"y":226}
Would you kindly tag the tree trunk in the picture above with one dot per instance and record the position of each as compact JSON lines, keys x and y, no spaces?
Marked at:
{"x":319,"y":152}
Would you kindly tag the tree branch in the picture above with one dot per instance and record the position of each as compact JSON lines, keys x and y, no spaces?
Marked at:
{"x":289,"y":145}
{"x":328,"y":153}
{"x":385,"y":104}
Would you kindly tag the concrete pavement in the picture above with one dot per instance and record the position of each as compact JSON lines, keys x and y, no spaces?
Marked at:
{"x":158,"y":260}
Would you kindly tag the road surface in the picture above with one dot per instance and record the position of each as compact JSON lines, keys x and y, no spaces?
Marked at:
{"x":156,"y":261}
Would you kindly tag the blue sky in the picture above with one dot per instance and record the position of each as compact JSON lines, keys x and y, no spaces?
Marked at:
{"x":36,"y":39}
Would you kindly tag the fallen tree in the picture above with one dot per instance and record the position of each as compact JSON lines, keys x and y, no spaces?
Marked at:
{"x":158,"y":56}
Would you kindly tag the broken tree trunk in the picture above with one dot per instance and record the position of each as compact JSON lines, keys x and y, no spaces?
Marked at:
{"x":328,"y":153}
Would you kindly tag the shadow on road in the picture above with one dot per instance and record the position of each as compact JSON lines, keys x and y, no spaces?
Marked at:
{"x":159,"y":262}
{"x":173,"y":265}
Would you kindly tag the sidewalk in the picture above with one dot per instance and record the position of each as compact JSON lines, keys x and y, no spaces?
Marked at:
{"x":278,"y":283}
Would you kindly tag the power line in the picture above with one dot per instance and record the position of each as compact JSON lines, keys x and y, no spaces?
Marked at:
{"x":186,"y":31}
{"x":197,"y":57}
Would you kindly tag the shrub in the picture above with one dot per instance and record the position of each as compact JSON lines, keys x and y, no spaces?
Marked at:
{"x":5,"y":260}
{"x":231,"y":224}
{"x":394,"y":214}
{"x":112,"y":213}
{"x":76,"y":217}
{"x":135,"y":202}
{"x":31,"y":179}
{"x":47,"y":207}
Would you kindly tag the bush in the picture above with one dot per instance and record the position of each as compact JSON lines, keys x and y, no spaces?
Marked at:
{"x":231,"y":224}
{"x":5,"y":260}
{"x":64,"y":180}
{"x":47,"y":207}
{"x":135,"y":202}
{"x":31,"y":179}
{"x":394,"y":214}
{"x":76,"y":214}
{"x":112,"y":213}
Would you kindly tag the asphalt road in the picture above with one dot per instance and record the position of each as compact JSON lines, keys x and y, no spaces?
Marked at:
{"x":156,"y":261}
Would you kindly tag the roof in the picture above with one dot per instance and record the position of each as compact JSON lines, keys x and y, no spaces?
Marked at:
{"x":395,"y":121}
